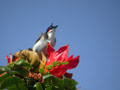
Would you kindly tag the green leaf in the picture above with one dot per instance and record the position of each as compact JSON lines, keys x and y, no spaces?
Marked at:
{"x":23,"y":62}
{"x":15,"y":72}
{"x":11,"y":88}
{"x":30,"y":82}
{"x":48,"y":82}
{"x":41,"y":70}
{"x":56,"y":63}
{"x":2,"y":69}
{"x":21,"y":71}
{"x":11,"y":65}
{"x":56,"y":83}
{"x":70,"y":84}
{"x":19,"y":62}
{"x":26,"y":65}
{"x":47,"y":76}
{"x":14,"y":83}
{"x":49,"y":88}
{"x":20,"y":67}
{"x":64,"y":63}
{"x":38,"y":86}
{"x":49,"y":67}
{"x":3,"y":77}
{"x":5,"y":69}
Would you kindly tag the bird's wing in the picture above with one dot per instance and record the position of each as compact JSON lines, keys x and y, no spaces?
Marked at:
{"x":39,"y":37}
{"x":55,"y":41}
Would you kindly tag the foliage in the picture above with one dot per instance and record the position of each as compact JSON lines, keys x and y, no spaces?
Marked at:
{"x":15,"y":77}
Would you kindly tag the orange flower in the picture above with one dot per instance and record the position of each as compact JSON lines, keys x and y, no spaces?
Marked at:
{"x":60,"y":55}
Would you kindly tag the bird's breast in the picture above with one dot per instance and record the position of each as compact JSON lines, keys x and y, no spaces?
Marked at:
{"x":52,"y":41}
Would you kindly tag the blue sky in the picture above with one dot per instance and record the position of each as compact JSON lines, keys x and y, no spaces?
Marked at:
{"x":90,"y":27}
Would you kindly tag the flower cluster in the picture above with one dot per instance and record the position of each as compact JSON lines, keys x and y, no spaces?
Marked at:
{"x":36,"y":76}
{"x":44,"y":72}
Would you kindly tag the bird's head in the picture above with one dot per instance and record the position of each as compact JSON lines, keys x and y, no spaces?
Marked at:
{"x":51,"y":29}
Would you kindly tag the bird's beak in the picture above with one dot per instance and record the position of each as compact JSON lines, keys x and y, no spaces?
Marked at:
{"x":55,"y":26}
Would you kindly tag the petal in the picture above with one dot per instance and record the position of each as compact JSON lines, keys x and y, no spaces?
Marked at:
{"x":59,"y":71}
{"x":8,"y":59}
{"x":70,"y":57}
{"x":63,"y":48}
{"x":68,"y":75}
{"x":73,"y":62}
{"x":62,"y":53}
{"x":49,"y":49}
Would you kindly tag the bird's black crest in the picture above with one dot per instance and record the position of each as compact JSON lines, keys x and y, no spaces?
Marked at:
{"x":51,"y":27}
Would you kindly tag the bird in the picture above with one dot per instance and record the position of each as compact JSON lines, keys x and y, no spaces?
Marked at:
{"x":45,"y":38}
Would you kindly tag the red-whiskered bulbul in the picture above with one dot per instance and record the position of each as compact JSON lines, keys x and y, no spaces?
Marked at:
{"x":41,"y":44}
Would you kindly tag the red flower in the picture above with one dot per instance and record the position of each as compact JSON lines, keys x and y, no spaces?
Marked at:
{"x":60,"y":55}
{"x":9,"y":59}
{"x":2,"y":74}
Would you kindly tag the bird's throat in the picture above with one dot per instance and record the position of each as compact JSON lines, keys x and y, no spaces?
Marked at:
{"x":51,"y":35}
